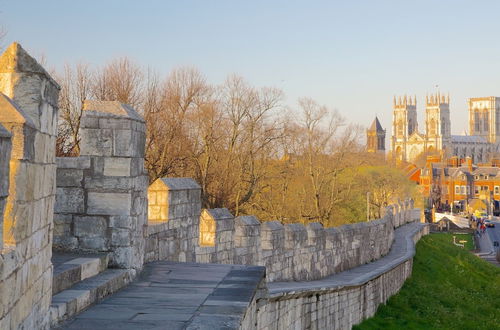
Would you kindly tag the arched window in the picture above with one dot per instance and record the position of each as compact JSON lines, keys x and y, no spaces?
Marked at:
{"x":400,"y":128}
{"x":432,"y":127}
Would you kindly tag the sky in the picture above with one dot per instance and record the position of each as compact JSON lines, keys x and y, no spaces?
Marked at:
{"x":353,"y":56}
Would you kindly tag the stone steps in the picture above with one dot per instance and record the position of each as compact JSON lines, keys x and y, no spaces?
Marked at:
{"x":81,"y":295}
{"x":70,"y":269}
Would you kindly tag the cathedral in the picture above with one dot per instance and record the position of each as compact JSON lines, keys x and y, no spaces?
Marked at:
{"x":407,"y":143}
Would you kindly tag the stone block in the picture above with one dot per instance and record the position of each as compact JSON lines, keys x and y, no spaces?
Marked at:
{"x":93,"y":243}
{"x":81,"y":163}
{"x":96,"y":142}
{"x":117,"y":166}
{"x":69,"y":200}
{"x":90,"y":226}
{"x":121,"y":237}
{"x":124,"y":144}
{"x":108,"y":203}
{"x":121,"y":221}
{"x":69,"y":177}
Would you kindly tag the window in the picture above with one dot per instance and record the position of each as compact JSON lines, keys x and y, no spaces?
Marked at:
{"x":497,"y":190}
{"x":457,"y":190}
{"x":484,"y":188}
{"x":462,"y":190}
{"x":476,"y":190}
{"x":468,"y":190}
{"x":486,"y":177}
{"x":476,"y":177}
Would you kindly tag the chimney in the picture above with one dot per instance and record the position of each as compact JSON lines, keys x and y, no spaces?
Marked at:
{"x":453,"y":161}
{"x":468,"y":163}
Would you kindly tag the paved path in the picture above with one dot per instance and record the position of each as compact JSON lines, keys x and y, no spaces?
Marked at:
{"x":402,"y":249}
{"x":485,"y":241}
{"x":171,"y":295}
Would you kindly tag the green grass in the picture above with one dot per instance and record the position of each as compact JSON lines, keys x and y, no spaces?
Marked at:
{"x":450,"y":288}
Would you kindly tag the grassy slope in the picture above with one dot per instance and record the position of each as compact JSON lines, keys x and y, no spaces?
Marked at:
{"x":449,"y":289}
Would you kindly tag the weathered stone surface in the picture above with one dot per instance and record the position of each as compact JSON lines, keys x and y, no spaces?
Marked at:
{"x":108,"y":203}
{"x":70,"y":200}
{"x":117,"y":166}
{"x":114,"y":182}
{"x":90,"y":226}
{"x":28,"y":109}
{"x":69,"y":178}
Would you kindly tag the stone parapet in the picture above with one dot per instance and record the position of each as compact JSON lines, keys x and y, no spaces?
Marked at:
{"x":28,"y":111}
{"x":177,"y":228}
{"x":5,"y":149}
{"x":101,"y":202}
{"x":173,"y":227}
{"x":343,"y":300}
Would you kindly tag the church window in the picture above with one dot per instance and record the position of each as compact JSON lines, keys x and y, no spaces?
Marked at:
{"x":400,"y":127}
{"x":443,"y":128}
{"x":497,"y":190}
{"x":476,"y":121}
{"x":486,"y":122}
{"x":432,"y":127}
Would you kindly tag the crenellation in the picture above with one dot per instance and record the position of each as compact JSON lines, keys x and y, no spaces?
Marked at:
{"x":99,"y":201}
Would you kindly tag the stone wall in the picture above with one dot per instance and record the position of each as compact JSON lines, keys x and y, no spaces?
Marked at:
{"x":5,"y":149}
{"x":291,"y":252}
{"x":335,"y":306}
{"x":101,"y":202}
{"x":176,"y":237}
{"x":28,"y":110}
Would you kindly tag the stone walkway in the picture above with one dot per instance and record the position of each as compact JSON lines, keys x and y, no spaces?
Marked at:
{"x":171,"y":295}
{"x":402,"y":249}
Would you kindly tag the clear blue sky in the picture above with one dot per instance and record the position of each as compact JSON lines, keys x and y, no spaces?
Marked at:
{"x":350,"y":55}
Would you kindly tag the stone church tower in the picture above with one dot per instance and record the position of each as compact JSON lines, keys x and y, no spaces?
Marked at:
{"x":375,"y":138}
{"x":403,"y":125}
{"x":484,"y":117}
{"x":437,"y":123}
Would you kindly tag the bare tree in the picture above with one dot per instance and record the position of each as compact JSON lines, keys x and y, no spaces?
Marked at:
{"x":76,"y":87}
{"x":120,"y":80}
{"x":168,"y":141}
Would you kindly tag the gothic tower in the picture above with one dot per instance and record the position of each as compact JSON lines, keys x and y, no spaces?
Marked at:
{"x":375,"y":138}
{"x":484,"y":117}
{"x":403,"y":125}
{"x":437,"y":122}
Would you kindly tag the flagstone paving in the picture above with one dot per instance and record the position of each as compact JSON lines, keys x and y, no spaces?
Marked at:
{"x":171,"y":295}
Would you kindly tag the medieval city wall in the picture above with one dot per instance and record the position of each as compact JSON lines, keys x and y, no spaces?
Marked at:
{"x":28,"y":111}
{"x":179,"y":231}
{"x":337,"y":306}
{"x":101,"y":202}
{"x":5,"y":149}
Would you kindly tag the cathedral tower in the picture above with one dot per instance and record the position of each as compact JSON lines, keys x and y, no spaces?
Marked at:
{"x":437,"y":122}
{"x":404,"y":124}
{"x":375,"y":138}
{"x":484,"y":117}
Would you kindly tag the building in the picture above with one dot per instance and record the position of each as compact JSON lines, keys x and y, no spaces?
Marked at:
{"x":375,"y":138}
{"x":459,"y":183}
{"x":407,"y":143}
